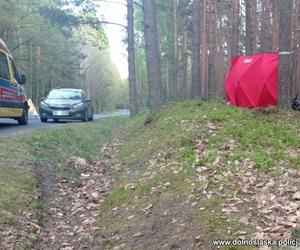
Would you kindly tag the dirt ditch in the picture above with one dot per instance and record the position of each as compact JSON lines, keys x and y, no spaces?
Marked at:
{"x":70,"y":206}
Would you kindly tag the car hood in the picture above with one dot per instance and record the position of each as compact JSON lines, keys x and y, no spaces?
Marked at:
{"x":61,"y":102}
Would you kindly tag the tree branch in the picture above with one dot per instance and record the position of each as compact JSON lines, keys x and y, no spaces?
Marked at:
{"x":139,"y":5}
{"x":114,"y":2}
{"x":112,"y":23}
{"x":25,"y":42}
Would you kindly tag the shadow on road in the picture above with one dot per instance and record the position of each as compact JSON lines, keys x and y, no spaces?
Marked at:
{"x":5,"y":123}
{"x":8,"y":125}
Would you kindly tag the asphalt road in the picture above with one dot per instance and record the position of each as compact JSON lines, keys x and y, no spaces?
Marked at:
{"x":10,"y":127}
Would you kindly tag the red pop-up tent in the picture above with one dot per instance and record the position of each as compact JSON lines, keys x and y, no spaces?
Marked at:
{"x":252,"y":80}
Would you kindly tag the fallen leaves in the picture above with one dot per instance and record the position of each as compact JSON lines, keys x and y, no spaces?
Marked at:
{"x":70,"y":220}
{"x":265,"y":203}
{"x":240,"y":233}
{"x":130,"y":217}
{"x":159,"y":159}
{"x":296,"y":196}
{"x":147,"y":209}
{"x":138,"y":234}
{"x":130,"y":186}
{"x":268,"y":202}
{"x":11,"y":235}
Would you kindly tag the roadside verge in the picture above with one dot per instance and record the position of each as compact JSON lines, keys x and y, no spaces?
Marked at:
{"x":30,"y":166}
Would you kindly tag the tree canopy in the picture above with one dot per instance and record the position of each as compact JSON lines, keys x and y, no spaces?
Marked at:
{"x":51,"y":42}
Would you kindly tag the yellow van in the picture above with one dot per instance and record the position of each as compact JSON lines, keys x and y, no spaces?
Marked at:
{"x":13,"y":100}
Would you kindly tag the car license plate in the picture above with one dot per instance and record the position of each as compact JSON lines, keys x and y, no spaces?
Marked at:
{"x":61,"y":113}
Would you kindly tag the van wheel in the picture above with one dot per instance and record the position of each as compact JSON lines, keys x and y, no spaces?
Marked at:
{"x":24,"y":118}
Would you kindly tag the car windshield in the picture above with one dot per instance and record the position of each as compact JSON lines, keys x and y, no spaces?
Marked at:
{"x":64,"y":94}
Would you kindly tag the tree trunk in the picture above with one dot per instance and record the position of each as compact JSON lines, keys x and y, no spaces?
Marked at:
{"x":182,"y":64}
{"x":204,"y":49}
{"x":152,"y":55}
{"x":296,"y":52}
{"x":213,"y":48}
{"x":196,"y":50}
{"x":38,"y":93}
{"x":251,"y":26}
{"x":265,"y":29}
{"x":133,"y":104}
{"x":235,"y":30}
{"x":275,"y":25}
{"x":175,"y":62}
{"x":285,"y":59}
{"x":185,"y":64}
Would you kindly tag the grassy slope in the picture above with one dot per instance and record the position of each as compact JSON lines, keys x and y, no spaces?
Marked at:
{"x":161,"y":161}
{"x":21,"y":156}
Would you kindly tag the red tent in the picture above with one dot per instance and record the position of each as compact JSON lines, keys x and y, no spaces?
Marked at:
{"x":252,"y":80}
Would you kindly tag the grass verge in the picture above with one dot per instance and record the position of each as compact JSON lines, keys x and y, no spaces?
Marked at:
{"x":21,"y":156}
{"x":163,"y":160}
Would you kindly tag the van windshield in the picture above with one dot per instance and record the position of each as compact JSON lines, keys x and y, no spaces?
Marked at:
{"x":64,"y":94}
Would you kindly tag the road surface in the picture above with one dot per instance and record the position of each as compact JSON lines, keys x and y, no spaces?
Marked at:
{"x":10,"y":127}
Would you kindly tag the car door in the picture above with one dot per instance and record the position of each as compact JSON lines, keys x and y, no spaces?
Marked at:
{"x":11,"y":100}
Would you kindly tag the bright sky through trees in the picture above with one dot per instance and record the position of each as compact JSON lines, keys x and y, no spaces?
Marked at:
{"x":115,"y":12}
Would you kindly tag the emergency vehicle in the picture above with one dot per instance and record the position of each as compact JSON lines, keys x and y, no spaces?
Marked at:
{"x":13,"y":100}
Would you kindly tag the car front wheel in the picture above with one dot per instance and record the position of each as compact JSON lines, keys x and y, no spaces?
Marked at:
{"x":84,"y":116}
{"x":91,"y":118}
{"x":43,"y":119}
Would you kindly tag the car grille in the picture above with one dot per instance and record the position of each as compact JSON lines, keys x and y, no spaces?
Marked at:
{"x":60,"y":108}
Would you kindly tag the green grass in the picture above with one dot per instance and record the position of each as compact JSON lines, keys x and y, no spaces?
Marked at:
{"x":27,"y":242}
{"x":55,"y":146}
{"x":21,"y":156}
{"x":212,"y":221}
{"x":296,"y":233}
{"x":17,"y":181}
{"x":265,"y":137}
{"x":9,"y":218}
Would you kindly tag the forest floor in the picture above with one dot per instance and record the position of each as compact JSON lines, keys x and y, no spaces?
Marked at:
{"x":194,"y":173}
{"x":198,"y":172}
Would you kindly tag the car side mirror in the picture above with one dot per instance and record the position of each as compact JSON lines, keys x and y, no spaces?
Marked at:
{"x":23,"y":79}
{"x":88,"y":100}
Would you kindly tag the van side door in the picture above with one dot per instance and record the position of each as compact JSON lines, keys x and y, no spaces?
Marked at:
{"x":15,"y":79}
{"x":5,"y":86}
{"x":10,"y":103}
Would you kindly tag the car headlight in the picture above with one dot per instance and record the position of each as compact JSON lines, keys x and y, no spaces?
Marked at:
{"x":44,"y":105}
{"x":77,"y":106}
